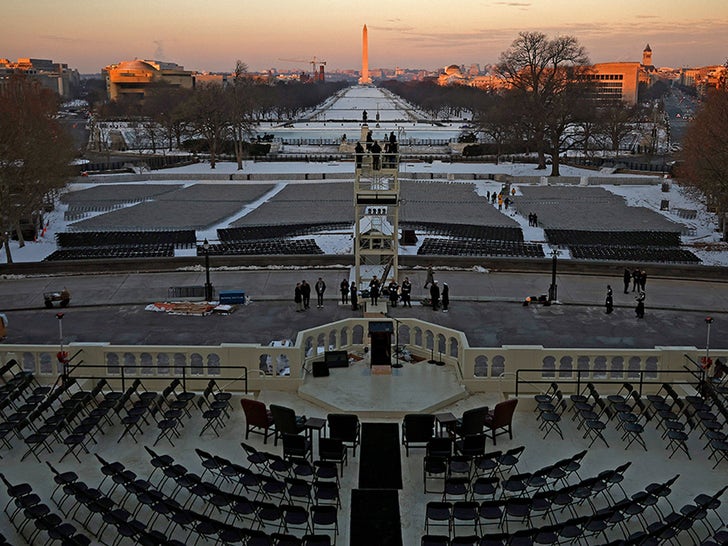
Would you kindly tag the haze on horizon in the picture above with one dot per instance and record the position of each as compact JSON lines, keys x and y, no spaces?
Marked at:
{"x":429,"y":34}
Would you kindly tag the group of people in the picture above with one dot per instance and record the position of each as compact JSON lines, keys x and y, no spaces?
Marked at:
{"x":396,"y":293}
{"x":638,"y":279}
{"x":373,"y":147}
{"x":532,"y":219}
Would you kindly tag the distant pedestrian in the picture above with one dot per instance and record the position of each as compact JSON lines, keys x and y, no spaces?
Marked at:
{"x":535,"y":220}
{"x":393,"y":293}
{"x":635,"y":279}
{"x":358,"y":154}
{"x":354,"y":297}
{"x":506,"y":202}
{"x":344,"y":287}
{"x":627,"y":279}
{"x":298,"y":298}
{"x":405,"y":291}
{"x":643,"y":279}
{"x":306,"y":294}
{"x":320,"y":287}
{"x":445,"y":297}
{"x":374,"y":286}
{"x":487,"y":196}
{"x":430,"y":276}
{"x":609,"y":303}
{"x":435,"y":295}
{"x":640,"y":309}
{"x":530,"y":219}
{"x":376,"y":158}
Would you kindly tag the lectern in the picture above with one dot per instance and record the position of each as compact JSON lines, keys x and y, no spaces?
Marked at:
{"x":380,"y":333}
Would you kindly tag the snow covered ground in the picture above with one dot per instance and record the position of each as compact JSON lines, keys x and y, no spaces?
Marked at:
{"x":342,"y":114}
{"x":704,"y":241}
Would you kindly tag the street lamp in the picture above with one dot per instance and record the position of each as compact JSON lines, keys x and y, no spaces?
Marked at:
{"x":553,"y":292}
{"x":708,"y":322}
{"x":208,"y":286}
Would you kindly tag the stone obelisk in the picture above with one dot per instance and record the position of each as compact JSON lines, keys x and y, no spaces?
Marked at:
{"x":364,"y":79}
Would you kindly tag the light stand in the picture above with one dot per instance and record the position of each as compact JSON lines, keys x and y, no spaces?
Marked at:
{"x":440,"y":362}
{"x":553,"y":291}
{"x":208,"y":285}
{"x":708,"y":322}
{"x":397,"y":363}
{"x":432,"y":354}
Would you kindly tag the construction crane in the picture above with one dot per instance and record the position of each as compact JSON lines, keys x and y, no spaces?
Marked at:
{"x":313,"y":62}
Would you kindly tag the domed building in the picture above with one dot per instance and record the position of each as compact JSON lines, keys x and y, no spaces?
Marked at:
{"x":452,"y":75}
{"x":133,"y":78}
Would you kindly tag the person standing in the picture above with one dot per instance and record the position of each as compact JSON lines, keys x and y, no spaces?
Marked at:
{"x":358,"y":154}
{"x":344,"y":288}
{"x":306,"y":294}
{"x":643,"y":280}
{"x":393,"y":295}
{"x":376,"y":158}
{"x":435,"y":295}
{"x":354,"y":297}
{"x":298,"y":298}
{"x":320,"y":288}
{"x":374,"y":290}
{"x":635,"y":279}
{"x":609,"y":303}
{"x":445,"y":297}
{"x":430,"y":276}
{"x":627,"y":278}
{"x":405,"y":291}
{"x":640,"y":309}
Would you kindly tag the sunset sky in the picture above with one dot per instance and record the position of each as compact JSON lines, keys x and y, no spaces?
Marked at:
{"x":211,"y":35}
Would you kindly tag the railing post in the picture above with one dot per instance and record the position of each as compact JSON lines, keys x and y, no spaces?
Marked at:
{"x":123,"y":379}
{"x":578,"y":381}
{"x":517,"y":381}
{"x":642,"y":378}
{"x":184,"y":378}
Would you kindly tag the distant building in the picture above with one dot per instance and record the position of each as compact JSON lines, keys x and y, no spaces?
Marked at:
{"x":135,"y":78}
{"x":55,"y":76}
{"x":615,"y":81}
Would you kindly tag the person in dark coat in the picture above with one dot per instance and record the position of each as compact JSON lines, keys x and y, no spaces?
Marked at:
{"x":635,"y":279}
{"x":627,"y":278}
{"x":358,"y":154}
{"x":298,"y":298}
{"x":609,"y":303}
{"x":435,"y":295}
{"x":374,"y":285}
{"x":643,"y":280}
{"x":405,"y":291}
{"x":320,"y":287}
{"x":445,"y":297}
{"x":393,"y":294}
{"x":376,"y":157}
{"x":306,"y":294}
{"x":354,"y":297}
{"x":344,"y":287}
{"x":640,"y":309}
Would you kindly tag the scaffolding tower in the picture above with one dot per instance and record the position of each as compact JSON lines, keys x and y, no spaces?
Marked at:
{"x":376,"y":214}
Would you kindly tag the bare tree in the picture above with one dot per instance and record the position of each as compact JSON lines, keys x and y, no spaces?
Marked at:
{"x":241,"y":107}
{"x":206,"y":109}
{"x":541,"y":70}
{"x":35,"y":153}
{"x":705,"y":154}
{"x":616,"y":121}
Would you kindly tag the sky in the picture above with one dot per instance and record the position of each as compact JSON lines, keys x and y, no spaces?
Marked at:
{"x":211,"y":35}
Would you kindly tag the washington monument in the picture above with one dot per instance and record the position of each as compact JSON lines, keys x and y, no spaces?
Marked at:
{"x":365,"y":79}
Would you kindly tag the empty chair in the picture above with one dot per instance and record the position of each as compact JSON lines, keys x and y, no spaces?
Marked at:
{"x":258,"y":418}
{"x":417,"y":430}
{"x":333,"y":449}
{"x":286,"y":421}
{"x":472,"y":422}
{"x":345,"y":427}
{"x":297,"y":446}
{"x":501,"y":419}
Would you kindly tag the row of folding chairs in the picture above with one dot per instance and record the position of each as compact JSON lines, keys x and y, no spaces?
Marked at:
{"x":272,"y":507}
{"x":33,"y":519}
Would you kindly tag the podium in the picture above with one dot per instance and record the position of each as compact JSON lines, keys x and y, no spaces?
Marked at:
{"x":380,"y":333}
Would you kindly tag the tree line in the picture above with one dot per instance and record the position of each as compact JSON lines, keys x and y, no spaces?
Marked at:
{"x":213,"y":118}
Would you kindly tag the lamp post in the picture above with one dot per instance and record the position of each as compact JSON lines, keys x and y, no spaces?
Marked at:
{"x":553,"y":291}
{"x":208,"y":286}
{"x":708,"y":322}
